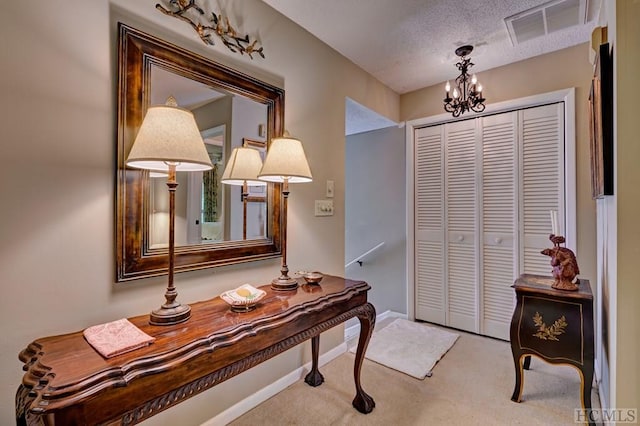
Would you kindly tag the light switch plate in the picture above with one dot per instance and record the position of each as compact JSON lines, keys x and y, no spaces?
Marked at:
{"x":324,"y":208}
{"x":329,"y":189}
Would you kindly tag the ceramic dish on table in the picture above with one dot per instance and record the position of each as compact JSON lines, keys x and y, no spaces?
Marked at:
{"x":244,"y":298}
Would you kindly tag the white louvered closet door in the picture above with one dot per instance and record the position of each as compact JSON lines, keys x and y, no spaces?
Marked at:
{"x":541,"y":183}
{"x":484,"y":189}
{"x":429,"y":225}
{"x":461,"y":224}
{"x":499,"y":257}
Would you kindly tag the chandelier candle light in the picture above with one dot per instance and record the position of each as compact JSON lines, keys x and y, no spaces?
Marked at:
{"x":285,"y":163}
{"x":169,"y":141}
{"x":467,"y":93}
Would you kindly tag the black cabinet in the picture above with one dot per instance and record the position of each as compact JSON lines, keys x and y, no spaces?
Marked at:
{"x":554,"y":325}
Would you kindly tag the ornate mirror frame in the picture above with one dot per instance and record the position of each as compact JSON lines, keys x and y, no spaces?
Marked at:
{"x":137,"y":53}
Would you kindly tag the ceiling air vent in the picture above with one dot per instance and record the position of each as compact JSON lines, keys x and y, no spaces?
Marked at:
{"x":546,"y":18}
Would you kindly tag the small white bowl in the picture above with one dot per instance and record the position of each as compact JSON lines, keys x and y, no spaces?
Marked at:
{"x":244,"y":298}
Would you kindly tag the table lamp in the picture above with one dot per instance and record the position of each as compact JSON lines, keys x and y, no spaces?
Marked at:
{"x":169,"y":141}
{"x":285,"y":163}
{"x":242,"y":169}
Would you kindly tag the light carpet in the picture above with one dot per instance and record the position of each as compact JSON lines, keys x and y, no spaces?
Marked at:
{"x":409,"y":347}
{"x":471,"y":386}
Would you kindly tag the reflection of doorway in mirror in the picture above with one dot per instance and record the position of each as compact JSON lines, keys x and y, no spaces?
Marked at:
{"x":256,"y":227}
{"x":205,"y":203}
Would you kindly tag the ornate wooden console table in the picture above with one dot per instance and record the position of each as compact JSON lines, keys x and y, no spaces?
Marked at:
{"x":555,"y":325}
{"x":68,"y":383}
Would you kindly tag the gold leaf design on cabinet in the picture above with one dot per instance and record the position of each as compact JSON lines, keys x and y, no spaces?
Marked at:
{"x":549,"y":332}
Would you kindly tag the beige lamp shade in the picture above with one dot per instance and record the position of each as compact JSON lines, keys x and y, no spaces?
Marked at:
{"x":286,"y":161}
{"x":243,"y":166}
{"x":169,"y":134}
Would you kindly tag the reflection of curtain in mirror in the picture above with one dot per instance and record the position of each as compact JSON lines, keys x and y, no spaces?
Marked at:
{"x":209,"y":195}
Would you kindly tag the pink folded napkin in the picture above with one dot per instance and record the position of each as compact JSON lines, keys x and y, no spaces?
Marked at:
{"x":116,"y":337}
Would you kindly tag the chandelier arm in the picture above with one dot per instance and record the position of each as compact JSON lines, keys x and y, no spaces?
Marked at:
{"x":478,"y":107}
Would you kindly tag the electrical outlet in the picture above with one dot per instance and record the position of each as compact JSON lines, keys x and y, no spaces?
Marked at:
{"x":324,"y":208}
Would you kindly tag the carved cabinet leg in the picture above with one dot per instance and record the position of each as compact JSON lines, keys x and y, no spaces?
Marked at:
{"x":587,"y":382}
{"x":367,"y":316}
{"x":314,"y":378}
{"x":517,"y":390}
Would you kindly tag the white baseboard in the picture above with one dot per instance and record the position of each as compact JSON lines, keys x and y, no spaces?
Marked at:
{"x":354,"y":330}
{"x":267,"y":392}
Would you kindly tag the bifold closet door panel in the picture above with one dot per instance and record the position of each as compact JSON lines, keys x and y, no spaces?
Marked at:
{"x":461,"y":206}
{"x":541,"y":182}
{"x":484,"y":190}
{"x":430,"y":265}
{"x":498,"y":258}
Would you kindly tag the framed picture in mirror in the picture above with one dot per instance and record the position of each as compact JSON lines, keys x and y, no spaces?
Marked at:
{"x":257,"y":193}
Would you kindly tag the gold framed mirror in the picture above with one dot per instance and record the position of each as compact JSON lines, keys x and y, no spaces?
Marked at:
{"x":148,"y":68}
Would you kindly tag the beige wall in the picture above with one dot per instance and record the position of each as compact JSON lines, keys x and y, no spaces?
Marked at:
{"x":554,"y":71}
{"x":57,"y":181}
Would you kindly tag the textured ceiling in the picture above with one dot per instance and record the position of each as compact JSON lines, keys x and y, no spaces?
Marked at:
{"x":410,"y":44}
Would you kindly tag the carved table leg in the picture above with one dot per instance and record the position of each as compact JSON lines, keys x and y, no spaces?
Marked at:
{"x":314,"y":378}
{"x":21,"y":405}
{"x":367,"y":316}
{"x":517,"y":390}
{"x":23,"y":401}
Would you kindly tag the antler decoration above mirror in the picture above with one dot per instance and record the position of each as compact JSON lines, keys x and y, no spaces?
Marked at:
{"x":218,"y":25}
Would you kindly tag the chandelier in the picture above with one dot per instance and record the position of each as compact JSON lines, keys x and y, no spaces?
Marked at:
{"x":467,"y":93}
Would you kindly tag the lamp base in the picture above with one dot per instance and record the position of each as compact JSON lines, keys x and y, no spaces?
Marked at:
{"x":165,"y":315}
{"x":284,"y":283}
